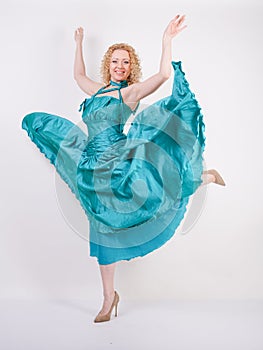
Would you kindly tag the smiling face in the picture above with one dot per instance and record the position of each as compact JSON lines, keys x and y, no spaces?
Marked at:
{"x":120,"y":65}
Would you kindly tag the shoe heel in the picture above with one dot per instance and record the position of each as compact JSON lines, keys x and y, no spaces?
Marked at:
{"x":106,"y":317}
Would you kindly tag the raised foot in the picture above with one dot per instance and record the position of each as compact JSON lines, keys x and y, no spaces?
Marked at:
{"x":218,"y":178}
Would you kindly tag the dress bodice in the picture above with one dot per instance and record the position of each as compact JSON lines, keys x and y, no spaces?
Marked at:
{"x":105,"y":115}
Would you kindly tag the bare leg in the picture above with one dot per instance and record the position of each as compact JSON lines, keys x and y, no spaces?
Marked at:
{"x":107,"y":276}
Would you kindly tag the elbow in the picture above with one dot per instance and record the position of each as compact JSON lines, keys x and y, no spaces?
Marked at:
{"x":164,"y":76}
{"x":78,"y":76}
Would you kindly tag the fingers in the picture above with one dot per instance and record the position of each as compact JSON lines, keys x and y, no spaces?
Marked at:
{"x":178,"y":19}
{"x":177,"y":23}
{"x":175,"y":26}
{"x":182,"y":28}
{"x":79,"y":30}
{"x":79,"y":34}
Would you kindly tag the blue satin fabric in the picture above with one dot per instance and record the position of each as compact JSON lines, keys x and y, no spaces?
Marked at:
{"x":134,"y":188}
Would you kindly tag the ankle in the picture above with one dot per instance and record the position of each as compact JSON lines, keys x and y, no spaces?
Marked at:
{"x":109,"y":295}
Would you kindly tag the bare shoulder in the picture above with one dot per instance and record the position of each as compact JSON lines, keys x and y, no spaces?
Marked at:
{"x":87,"y":85}
{"x":138,"y":91}
{"x":97,"y":87}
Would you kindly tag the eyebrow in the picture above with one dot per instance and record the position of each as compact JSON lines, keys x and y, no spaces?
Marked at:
{"x":115,"y":58}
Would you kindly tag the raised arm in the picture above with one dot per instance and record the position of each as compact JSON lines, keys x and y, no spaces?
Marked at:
{"x":151,"y":84}
{"x":85,"y":83}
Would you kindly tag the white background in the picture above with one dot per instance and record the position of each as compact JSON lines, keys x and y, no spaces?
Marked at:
{"x":221,"y":50}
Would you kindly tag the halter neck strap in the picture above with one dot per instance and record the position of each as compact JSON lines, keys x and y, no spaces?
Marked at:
{"x":104,"y":89}
{"x":116,"y":86}
{"x":121,"y":84}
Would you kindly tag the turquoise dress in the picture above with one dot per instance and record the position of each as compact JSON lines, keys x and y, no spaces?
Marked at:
{"x":133,"y":187}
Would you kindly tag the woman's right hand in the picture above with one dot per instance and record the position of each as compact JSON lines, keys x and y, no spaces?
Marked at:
{"x":79,"y":34}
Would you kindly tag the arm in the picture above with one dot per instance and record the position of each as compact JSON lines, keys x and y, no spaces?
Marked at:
{"x":151,"y":84}
{"x":85,"y":83}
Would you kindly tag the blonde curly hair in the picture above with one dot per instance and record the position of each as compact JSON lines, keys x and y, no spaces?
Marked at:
{"x":135,"y":74}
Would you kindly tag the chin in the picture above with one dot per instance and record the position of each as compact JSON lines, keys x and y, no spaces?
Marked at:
{"x":120,"y":78}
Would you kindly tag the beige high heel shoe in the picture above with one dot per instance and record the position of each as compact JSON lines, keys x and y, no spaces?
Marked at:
{"x":106,"y":317}
{"x":218,"y":178}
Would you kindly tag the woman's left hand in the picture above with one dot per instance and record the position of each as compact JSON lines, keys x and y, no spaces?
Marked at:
{"x":174,"y":27}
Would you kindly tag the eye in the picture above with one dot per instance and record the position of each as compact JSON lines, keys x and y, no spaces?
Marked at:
{"x":126,"y":62}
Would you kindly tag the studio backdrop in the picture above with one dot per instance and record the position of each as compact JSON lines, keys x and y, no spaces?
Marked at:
{"x":217,"y":253}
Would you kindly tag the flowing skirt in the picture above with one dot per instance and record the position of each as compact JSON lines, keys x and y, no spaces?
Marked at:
{"x":135,"y":193}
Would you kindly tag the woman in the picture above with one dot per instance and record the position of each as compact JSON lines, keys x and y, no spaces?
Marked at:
{"x":163,"y":148}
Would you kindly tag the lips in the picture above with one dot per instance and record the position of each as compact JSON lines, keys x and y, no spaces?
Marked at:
{"x":119,"y":72}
